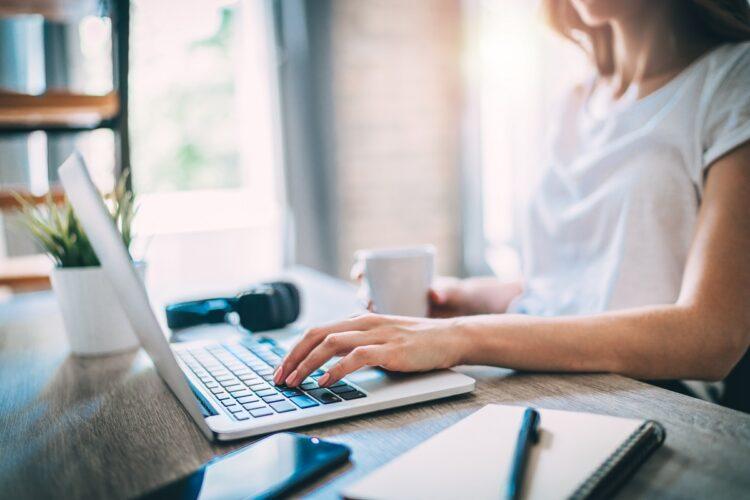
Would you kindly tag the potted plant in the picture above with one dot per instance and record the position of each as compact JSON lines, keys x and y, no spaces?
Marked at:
{"x":94,"y":320}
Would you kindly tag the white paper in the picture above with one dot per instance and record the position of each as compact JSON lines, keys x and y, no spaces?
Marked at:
{"x":472,"y":458}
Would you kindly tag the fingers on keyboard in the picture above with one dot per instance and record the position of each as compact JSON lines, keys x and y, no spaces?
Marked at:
{"x":241,"y":378}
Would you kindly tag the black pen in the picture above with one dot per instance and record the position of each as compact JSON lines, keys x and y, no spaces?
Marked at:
{"x":527,"y":436}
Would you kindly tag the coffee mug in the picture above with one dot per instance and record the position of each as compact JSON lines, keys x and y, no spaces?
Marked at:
{"x":397,"y":280}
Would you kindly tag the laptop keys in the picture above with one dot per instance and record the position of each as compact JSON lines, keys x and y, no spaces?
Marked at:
{"x":247,"y":399}
{"x":324,"y":396}
{"x":272,"y":398}
{"x":303,"y":401}
{"x":265,"y":392}
{"x":338,"y":389}
{"x":242,"y":393}
{"x":308,"y":384}
{"x":355,"y":394}
{"x":254,"y":406}
{"x":282,"y":406}
{"x":229,"y":372}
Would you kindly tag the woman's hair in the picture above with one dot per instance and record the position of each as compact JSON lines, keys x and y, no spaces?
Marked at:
{"x":724,"y":20}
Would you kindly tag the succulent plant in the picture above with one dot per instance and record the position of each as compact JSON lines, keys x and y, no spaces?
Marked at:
{"x":58,"y":232}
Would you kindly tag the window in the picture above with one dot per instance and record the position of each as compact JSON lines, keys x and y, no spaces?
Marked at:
{"x":204,"y":143}
{"x":520,"y":70}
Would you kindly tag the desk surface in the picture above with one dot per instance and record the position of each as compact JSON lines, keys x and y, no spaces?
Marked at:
{"x":109,"y":427}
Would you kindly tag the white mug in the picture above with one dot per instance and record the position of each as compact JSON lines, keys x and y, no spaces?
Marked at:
{"x":397,"y":280}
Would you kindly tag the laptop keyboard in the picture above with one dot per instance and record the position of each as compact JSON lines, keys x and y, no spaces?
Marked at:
{"x":240,"y":376}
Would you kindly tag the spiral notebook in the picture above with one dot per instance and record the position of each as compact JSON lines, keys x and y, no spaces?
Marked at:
{"x":578,"y":455}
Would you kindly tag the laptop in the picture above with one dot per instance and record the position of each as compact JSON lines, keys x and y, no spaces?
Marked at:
{"x":226,"y":387}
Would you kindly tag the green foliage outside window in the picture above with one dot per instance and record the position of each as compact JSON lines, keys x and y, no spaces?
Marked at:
{"x":183,"y":104}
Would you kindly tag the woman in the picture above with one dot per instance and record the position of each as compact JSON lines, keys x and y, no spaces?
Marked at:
{"x":636,"y":242}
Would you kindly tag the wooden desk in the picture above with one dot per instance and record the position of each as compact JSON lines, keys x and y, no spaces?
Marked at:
{"x":109,"y":427}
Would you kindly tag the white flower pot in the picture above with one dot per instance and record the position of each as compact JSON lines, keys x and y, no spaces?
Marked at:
{"x":94,"y":320}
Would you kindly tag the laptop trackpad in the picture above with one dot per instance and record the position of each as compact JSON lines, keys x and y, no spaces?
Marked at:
{"x":371,"y":379}
{"x":368,"y":379}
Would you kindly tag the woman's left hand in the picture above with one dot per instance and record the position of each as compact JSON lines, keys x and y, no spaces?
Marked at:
{"x":395,"y":343}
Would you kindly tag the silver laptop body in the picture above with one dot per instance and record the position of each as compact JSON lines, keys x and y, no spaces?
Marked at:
{"x":226,"y":387}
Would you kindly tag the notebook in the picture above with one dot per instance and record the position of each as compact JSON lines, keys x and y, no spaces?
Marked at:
{"x":578,"y":455}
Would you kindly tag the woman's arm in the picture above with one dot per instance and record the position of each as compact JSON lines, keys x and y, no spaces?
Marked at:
{"x":701,"y":336}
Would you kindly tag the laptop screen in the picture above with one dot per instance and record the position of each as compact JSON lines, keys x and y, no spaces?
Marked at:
{"x":118,"y":267}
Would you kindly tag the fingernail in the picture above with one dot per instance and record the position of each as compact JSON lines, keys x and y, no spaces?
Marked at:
{"x":278,"y":375}
{"x":323,"y":380}
{"x":291,"y":380}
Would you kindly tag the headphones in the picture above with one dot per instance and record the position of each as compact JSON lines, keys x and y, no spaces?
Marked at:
{"x":266,"y":306}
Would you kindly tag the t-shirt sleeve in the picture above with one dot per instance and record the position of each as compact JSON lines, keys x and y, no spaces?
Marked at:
{"x":727,"y":119}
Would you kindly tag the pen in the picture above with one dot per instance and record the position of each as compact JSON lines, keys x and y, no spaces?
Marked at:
{"x":527,"y":436}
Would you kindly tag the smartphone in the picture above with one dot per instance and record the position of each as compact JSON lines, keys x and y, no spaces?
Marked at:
{"x":268,"y":468}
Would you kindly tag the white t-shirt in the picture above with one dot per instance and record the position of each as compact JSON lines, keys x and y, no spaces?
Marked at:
{"x":610,"y":223}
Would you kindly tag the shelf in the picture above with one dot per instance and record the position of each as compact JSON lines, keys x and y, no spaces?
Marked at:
{"x":56,"y":111}
{"x":25,"y":274}
{"x":9,"y":203}
{"x":55,"y":10}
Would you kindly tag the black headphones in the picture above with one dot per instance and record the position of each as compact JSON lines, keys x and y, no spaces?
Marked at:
{"x":266,"y":306}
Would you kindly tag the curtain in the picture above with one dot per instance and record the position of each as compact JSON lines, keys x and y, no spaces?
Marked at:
{"x":303,"y":48}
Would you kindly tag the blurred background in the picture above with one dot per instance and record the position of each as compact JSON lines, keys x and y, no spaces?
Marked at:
{"x":268,"y":133}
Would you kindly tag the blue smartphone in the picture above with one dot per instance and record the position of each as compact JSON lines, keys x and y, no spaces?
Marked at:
{"x":269,"y":468}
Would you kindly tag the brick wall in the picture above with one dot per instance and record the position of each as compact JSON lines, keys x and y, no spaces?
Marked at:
{"x":395,"y":74}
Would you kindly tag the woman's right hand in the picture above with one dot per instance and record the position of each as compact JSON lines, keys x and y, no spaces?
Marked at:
{"x":448,"y":299}
{"x":451,"y":297}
